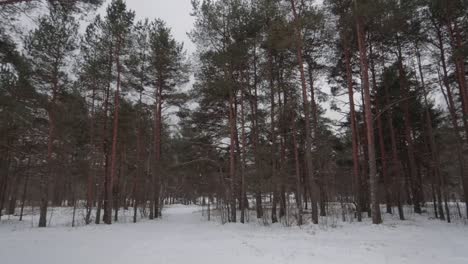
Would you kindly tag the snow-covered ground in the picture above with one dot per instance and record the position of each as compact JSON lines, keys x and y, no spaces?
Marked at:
{"x":184,"y":236}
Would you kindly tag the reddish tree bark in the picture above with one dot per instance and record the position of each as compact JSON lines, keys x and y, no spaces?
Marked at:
{"x":298,"y":171}
{"x":105,"y":146}
{"x":413,"y":176}
{"x":50,"y":145}
{"x":449,"y":98}
{"x":375,"y":207}
{"x":157,"y":146}
{"x":115,"y":131}
{"x":91,"y":173}
{"x":354,"y":129}
{"x":25,"y":188}
{"x":274,"y":217}
{"x":255,"y":138}
{"x":139,"y":174}
{"x":396,"y":162}
{"x":308,"y":146}
{"x":282,"y":141}
{"x":232,"y":156}
{"x":315,"y":139}
{"x":383,"y":151}
{"x":243,"y":150}
{"x":435,"y":160}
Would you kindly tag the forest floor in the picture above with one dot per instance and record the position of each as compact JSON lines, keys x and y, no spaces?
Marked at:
{"x":183,"y":235}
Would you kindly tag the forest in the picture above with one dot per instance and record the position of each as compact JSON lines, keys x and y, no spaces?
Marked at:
{"x":112,"y":114}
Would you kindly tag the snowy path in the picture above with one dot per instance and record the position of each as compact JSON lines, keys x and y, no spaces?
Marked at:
{"x":183,"y":237}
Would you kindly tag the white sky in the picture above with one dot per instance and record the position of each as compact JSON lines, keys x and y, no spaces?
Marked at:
{"x":176,"y":13}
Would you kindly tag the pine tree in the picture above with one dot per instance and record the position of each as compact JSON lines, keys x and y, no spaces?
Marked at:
{"x":375,"y":206}
{"x":95,"y":79}
{"x":168,"y":70}
{"x":49,"y":48}
{"x":118,"y":22}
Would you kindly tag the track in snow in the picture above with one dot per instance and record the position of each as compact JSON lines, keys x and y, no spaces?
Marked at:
{"x":183,"y":237}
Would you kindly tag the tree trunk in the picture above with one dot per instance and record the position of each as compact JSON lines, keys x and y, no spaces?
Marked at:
{"x":13,"y":195}
{"x":448,"y":96}
{"x":383,"y":151}
{"x":308,"y":146}
{"x":115,"y":130}
{"x":103,"y":186}
{"x":157,"y":147}
{"x":6,"y":177}
{"x":397,"y":166}
{"x":354,"y":129}
{"x":315,"y":138}
{"x":274,"y":217}
{"x":430,"y":134}
{"x":457,"y":44}
{"x":413,"y":175}
{"x":434,"y":201}
{"x":139,"y":174}
{"x":91,"y":176}
{"x":232,"y":156}
{"x":298,"y":173}
{"x":44,"y":183}
{"x":282,"y":148}
{"x":25,"y":188}
{"x":243,"y":164}
{"x":255,"y":139}
{"x":375,"y":207}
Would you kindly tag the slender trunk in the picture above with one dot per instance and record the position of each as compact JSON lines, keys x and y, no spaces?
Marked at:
{"x":383,"y":151}
{"x":308,"y":146}
{"x":413,"y":175}
{"x":13,"y":195}
{"x":255,"y":142}
{"x":117,"y":188}
{"x":139,"y":174}
{"x":91,"y":176}
{"x":25,"y":188}
{"x":434,"y":200}
{"x":4,"y":174}
{"x":447,"y":209}
{"x":439,"y":200}
{"x":298,"y":172}
{"x":274,"y":217}
{"x":385,"y":176}
{"x":364,"y":179}
{"x":435,"y":164}
{"x":238,"y":159}
{"x":157,"y":146}
{"x":375,"y":208}
{"x":103,"y":186}
{"x":398,"y":169}
{"x":232,"y":156}
{"x":457,"y":45}
{"x":448,"y":96}
{"x":74,"y":209}
{"x":50,"y":144}
{"x":354,"y":129}
{"x":115,"y":130}
{"x":315,"y":139}
{"x":243,"y":150}
{"x":282,"y":139}
{"x":255,"y":136}
{"x":459,"y":210}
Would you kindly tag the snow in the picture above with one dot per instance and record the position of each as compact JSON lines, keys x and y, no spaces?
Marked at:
{"x":184,"y":235}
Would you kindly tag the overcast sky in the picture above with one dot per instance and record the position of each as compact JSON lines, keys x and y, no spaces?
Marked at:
{"x":176,"y":13}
